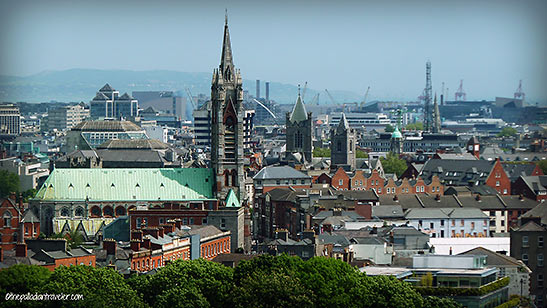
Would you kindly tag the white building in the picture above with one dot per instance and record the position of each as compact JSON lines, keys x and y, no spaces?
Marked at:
{"x":10,"y":120}
{"x":449,"y":222}
{"x":30,"y":174}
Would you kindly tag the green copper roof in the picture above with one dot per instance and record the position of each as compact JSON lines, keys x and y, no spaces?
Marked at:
{"x":231,"y":199}
{"x":299,"y":111}
{"x":147,"y":184}
{"x":396,"y":133}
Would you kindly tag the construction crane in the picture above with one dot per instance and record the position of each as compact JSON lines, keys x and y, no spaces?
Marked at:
{"x":365,"y":99}
{"x":314,"y":99}
{"x":460,"y":94}
{"x":191,"y":98}
{"x":304,"y":91}
{"x":518,"y":92}
{"x":331,"y":98}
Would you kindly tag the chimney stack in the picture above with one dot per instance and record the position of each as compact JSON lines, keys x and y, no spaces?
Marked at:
{"x":267,"y":91}
{"x":178,"y":223}
{"x":146,"y":243}
{"x":21,"y":250}
{"x":136,"y":235}
{"x":135,"y":245}
{"x":258,"y":89}
{"x":109,"y":245}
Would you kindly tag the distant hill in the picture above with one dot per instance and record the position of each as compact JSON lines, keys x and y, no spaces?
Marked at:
{"x":76,"y":85}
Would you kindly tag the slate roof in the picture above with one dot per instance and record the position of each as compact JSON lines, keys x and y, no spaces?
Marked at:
{"x":426,"y":214}
{"x":29,"y":217}
{"x":485,"y":203}
{"x":532,"y":226}
{"x":205,"y":231}
{"x":540,"y":211}
{"x":445,"y":213}
{"x":388,"y":211}
{"x":514,"y":171}
{"x":133,"y":144}
{"x":358,"y":194}
{"x":280,"y":172}
{"x":516,"y":202}
{"x":458,"y":172}
{"x":465,"y":155}
{"x":493,"y":258}
{"x":536,"y":183}
{"x":107,"y":126}
{"x":120,"y":184}
{"x":298,"y":113}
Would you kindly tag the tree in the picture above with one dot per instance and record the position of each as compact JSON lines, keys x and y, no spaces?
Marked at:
{"x":393,"y":164}
{"x":361,"y":154}
{"x":427,"y":280}
{"x":20,"y":279}
{"x":507,"y":131}
{"x":437,"y":302}
{"x":196,"y":283}
{"x":543,"y":165}
{"x":389,"y":129}
{"x":27,"y":194}
{"x":321,"y":152}
{"x":100,"y":287}
{"x":73,"y":238}
{"x":415,"y":126}
{"x":9,"y":183}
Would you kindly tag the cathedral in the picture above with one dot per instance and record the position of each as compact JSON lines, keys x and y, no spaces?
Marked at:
{"x":299,"y":130}
{"x":227,"y":124}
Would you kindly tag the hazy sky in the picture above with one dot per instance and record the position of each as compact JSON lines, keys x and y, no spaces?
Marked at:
{"x":339,"y":45}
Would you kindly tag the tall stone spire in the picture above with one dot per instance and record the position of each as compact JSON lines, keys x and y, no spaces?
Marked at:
{"x":226,"y":61}
{"x":299,"y":113}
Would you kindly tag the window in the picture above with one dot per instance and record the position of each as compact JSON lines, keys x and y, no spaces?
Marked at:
{"x":525,"y":258}
{"x":204,"y":221}
{"x":278,"y":182}
{"x":431,"y":225}
{"x":222,"y":223}
{"x":540,"y":259}
{"x":453,"y":222}
{"x":485,"y":222}
{"x":503,"y":223}
{"x":376,"y":182}
{"x":472,"y":225}
{"x":302,"y":181}
{"x":540,"y":241}
{"x":294,"y":182}
{"x":419,"y":222}
{"x":379,"y":190}
{"x":442,"y":233}
{"x":462,"y":223}
{"x":139,"y":223}
{"x":191,"y":220}
{"x":26,"y":230}
{"x":442,"y":222}
{"x":497,"y":183}
{"x":162,"y":221}
{"x":525,"y":241}
{"x":540,"y":280}
{"x":492,"y":213}
{"x":340,"y":182}
{"x":505,"y":191}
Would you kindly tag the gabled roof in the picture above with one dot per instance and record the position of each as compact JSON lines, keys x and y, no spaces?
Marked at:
{"x":420,"y":213}
{"x":514,"y":171}
{"x":532,"y":226}
{"x":298,"y":113}
{"x":231,"y":199}
{"x":493,"y":258}
{"x":126,"y":96}
{"x":536,"y":183}
{"x":107,"y":88}
{"x":30,"y":217}
{"x":458,"y":172}
{"x":100,"y":97}
{"x":164,"y":184}
{"x":540,"y":211}
{"x":280,"y":172}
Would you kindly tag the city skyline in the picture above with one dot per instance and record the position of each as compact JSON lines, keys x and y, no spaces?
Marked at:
{"x":347,"y":46}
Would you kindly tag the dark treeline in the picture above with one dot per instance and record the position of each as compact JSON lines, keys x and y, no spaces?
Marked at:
{"x":264,"y":281}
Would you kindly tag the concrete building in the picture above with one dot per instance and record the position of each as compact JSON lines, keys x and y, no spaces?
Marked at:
{"x":357,"y":120}
{"x":165,"y":101}
{"x":412,"y":142}
{"x":10,"y":120}
{"x":449,"y":222}
{"x":30,"y":171}
{"x":248,"y":125}
{"x":108,"y":103}
{"x":65,"y":118}
{"x":202,"y":126}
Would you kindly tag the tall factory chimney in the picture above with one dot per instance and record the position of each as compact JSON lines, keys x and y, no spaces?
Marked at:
{"x":267,"y":91}
{"x":257,"y":88}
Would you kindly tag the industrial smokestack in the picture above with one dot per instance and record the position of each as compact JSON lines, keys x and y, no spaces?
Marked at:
{"x":267,"y":91}
{"x":442,"y":100}
{"x":258,"y":88}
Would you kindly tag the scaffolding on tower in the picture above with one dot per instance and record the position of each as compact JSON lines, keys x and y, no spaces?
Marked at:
{"x":428,"y":112}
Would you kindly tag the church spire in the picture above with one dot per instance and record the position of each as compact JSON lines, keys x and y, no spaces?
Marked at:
{"x":298,"y":113}
{"x":226,"y":60}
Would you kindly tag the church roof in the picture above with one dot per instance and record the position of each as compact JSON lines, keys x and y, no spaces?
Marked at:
{"x":343,"y":125}
{"x":396,"y":134}
{"x":162,"y":184}
{"x":299,"y":111}
{"x":107,"y":126}
{"x":231,"y":199}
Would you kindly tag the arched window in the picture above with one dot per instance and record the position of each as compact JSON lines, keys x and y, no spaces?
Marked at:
{"x":120,"y":211}
{"x":234,"y":178}
{"x":108,"y":211}
{"x":230,"y":137}
{"x":339,"y":146}
{"x":79,"y":211}
{"x":96,"y":211}
{"x":65,"y":212}
{"x":298,"y":139}
{"x":351,"y":145}
{"x":226,"y":178}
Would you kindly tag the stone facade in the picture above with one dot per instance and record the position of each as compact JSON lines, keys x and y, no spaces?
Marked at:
{"x":299,"y":130}
{"x":227,"y":124}
{"x":343,"y":145}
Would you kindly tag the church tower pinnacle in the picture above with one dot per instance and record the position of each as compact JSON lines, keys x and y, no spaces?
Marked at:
{"x":227,"y":124}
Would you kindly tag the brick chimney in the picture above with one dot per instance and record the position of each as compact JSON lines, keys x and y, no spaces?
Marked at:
{"x":160,"y":232}
{"x":136,"y":235}
{"x":110,"y":246}
{"x":135,"y":245}
{"x":146,"y":243}
{"x":178,"y":223}
{"x":168,"y":228}
{"x":21,"y":250}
